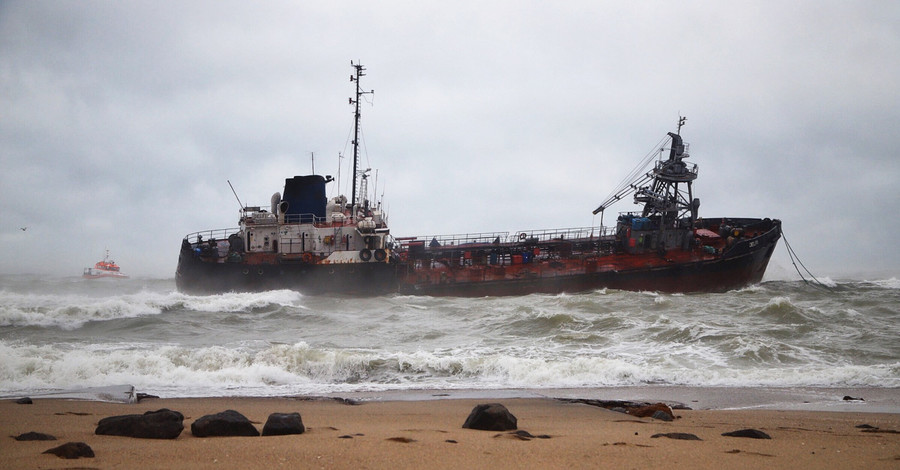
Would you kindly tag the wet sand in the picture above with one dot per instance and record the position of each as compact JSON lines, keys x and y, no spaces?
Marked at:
{"x":421,"y":433}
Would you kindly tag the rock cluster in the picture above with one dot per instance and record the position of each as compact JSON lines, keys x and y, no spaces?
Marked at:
{"x":168,"y":424}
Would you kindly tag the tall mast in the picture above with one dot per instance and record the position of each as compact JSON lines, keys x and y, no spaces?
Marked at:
{"x":360,"y":72}
{"x":660,"y":188}
{"x":665,"y":196}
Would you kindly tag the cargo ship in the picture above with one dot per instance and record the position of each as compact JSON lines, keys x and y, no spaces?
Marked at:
{"x":306,"y":242}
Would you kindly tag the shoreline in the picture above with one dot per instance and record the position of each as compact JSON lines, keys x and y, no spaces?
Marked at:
{"x":872,"y":399}
{"x":864,"y":399}
{"x":416,"y":433}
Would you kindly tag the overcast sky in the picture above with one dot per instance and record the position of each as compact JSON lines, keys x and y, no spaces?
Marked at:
{"x":121,"y":121}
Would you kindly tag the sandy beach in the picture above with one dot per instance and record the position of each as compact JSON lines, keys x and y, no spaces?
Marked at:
{"x":429,"y":434}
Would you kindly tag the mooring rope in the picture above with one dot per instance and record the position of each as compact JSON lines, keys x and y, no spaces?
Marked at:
{"x":796,"y":259}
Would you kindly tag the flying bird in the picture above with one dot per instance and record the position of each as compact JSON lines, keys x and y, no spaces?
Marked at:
{"x":23,"y":228}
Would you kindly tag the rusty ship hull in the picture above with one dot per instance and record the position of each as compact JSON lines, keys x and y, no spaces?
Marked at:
{"x":582,"y":265}
{"x":502,"y":269}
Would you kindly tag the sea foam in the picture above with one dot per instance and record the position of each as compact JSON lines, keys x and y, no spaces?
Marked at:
{"x":778,"y":334}
{"x":73,"y":311}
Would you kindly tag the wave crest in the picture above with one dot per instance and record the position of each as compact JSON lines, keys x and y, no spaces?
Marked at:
{"x":74,"y":311}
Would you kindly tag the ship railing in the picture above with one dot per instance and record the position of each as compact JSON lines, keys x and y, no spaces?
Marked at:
{"x":257,"y":216}
{"x":488,"y":238}
{"x":304,"y":219}
{"x":482,"y":238}
{"x":311,"y":218}
{"x":687,"y":172}
{"x":207,"y":235}
{"x":547,"y":235}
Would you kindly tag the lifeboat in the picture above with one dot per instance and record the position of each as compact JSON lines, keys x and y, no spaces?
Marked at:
{"x":104,"y":268}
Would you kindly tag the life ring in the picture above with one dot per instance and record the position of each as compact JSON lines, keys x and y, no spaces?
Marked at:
{"x":306,"y":257}
{"x":380,"y":255}
{"x":522,"y":236}
{"x":365,"y":254}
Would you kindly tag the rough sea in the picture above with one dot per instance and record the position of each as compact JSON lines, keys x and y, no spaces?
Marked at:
{"x":70,"y":333}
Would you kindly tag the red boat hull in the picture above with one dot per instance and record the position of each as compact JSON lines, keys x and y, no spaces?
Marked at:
{"x":717,"y":275}
{"x":741,"y":263}
{"x":693,"y":270}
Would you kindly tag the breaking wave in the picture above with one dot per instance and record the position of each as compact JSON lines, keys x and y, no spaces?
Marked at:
{"x":74,"y":311}
{"x":301,"y":369}
{"x":778,"y":334}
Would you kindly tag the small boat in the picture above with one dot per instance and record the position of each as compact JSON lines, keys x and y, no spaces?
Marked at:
{"x":104,"y":268}
{"x":314,"y":245}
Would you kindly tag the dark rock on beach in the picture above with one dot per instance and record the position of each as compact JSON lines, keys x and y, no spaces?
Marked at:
{"x":281,"y":424}
{"x":145,"y":396}
{"x":639,"y":409}
{"x":657,"y":411}
{"x":160,"y":424}
{"x":849,"y":398}
{"x":226,"y":423}
{"x":72,"y":450}
{"x":491,"y":417}
{"x":24,"y":401}
{"x":685,"y":436}
{"x":527,"y":436}
{"x":751,"y":433}
{"x":34,"y":436}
